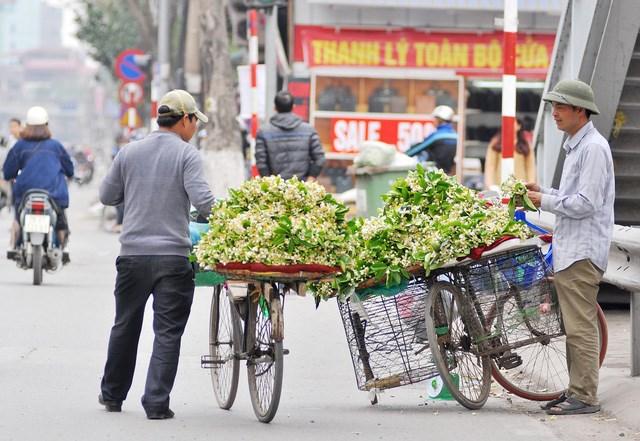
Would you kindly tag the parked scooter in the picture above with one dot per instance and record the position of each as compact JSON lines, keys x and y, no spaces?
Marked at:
{"x":38,"y":247}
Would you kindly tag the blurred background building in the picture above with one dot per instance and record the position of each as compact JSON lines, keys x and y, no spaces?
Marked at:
{"x":36,"y":69}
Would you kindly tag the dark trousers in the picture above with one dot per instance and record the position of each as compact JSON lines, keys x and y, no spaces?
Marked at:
{"x":170,"y":280}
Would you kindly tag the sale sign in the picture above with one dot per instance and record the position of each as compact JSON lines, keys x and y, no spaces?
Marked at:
{"x":347,"y":134}
{"x":466,"y":53}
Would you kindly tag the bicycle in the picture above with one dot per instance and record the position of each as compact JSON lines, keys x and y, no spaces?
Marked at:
{"x":483,"y":320}
{"x":251,"y":328}
{"x":548,"y":388}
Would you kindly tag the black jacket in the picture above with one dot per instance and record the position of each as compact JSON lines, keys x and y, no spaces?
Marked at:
{"x":288,"y":146}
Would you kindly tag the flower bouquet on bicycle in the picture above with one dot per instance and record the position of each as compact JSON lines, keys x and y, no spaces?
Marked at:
{"x":275,"y":236}
{"x":428,"y":222}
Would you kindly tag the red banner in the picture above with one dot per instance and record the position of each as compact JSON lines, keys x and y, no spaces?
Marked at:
{"x":347,"y":134}
{"x":466,"y":53}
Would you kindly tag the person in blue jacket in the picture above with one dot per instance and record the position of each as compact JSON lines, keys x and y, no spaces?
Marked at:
{"x":440,"y":146}
{"x":38,"y":161}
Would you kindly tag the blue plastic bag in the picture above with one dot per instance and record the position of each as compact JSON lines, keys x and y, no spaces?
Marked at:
{"x":196,"y":230}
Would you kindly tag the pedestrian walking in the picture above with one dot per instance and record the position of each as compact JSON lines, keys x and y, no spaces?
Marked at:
{"x":583,"y":205}
{"x":157,"y":178}
{"x":15,"y":126}
{"x":288,"y":146}
{"x":524,"y":161}
{"x":441,"y":145}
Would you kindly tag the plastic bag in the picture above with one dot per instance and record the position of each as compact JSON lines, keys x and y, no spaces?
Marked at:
{"x":196,"y":230}
{"x":375,"y":154}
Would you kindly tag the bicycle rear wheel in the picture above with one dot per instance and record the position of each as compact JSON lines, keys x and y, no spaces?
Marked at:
{"x":224,"y":343}
{"x":543,"y":374}
{"x":265,"y":362}
{"x":452,"y":328}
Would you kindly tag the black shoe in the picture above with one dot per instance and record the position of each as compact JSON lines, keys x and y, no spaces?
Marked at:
{"x":65,"y":258}
{"x":561,"y":399}
{"x":110,"y":405}
{"x":160,"y":415}
{"x":12,"y":254}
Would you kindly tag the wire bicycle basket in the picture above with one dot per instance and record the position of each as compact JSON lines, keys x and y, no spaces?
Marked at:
{"x":386,"y":335}
{"x":511,"y":293}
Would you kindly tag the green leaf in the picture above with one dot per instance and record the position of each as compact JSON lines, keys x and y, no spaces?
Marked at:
{"x":528,"y":204}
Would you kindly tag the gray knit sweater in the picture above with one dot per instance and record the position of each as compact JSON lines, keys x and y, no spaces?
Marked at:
{"x":157,"y":178}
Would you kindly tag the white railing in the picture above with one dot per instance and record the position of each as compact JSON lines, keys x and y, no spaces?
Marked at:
{"x":623,"y":271}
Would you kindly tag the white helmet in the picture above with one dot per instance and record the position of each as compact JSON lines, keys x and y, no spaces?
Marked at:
{"x":37,"y":116}
{"x":444,"y":113}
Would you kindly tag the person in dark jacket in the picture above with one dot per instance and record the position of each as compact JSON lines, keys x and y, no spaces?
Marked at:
{"x":440,"y":146}
{"x":288,"y":146}
{"x":37,"y":161}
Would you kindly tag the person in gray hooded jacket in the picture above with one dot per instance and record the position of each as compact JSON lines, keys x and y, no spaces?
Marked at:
{"x":288,"y":146}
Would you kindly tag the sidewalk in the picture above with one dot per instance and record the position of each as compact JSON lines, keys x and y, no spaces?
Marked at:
{"x":619,"y":392}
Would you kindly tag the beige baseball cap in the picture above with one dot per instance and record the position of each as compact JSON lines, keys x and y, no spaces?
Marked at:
{"x":180,"y":102}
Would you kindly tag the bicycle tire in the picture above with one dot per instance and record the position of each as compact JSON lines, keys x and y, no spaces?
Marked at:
{"x":472,"y":371}
{"x":224,"y":342}
{"x":537,"y":357}
{"x":265,"y":363}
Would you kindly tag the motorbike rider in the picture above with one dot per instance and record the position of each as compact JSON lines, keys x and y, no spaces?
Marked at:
{"x":37,"y":161}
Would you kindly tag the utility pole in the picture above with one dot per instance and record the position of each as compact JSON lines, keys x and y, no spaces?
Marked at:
{"x":192,"y":65}
{"x":164,"y":34}
{"x":270,"y":57}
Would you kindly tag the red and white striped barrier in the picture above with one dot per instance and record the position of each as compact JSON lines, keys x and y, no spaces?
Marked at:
{"x":509,"y":86}
{"x":253,"y":69}
{"x":154,"y":105}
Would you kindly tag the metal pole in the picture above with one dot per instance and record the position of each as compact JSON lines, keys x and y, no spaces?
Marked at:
{"x":153,"y":115}
{"x":635,"y":334}
{"x":252,"y":19}
{"x":509,"y":86}
{"x":163,"y":46}
{"x":270,"y":58}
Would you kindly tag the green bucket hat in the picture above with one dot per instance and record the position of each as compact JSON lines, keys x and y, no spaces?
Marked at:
{"x":180,"y":102}
{"x":575,"y":93}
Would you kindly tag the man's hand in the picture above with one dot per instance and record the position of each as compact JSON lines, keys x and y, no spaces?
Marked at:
{"x":532,"y":186}
{"x":311,"y":179}
{"x":535,"y":197}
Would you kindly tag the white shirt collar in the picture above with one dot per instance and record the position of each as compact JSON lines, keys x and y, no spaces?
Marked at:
{"x":573,"y":142}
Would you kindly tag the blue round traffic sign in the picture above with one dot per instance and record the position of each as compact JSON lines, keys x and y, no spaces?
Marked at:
{"x":126,"y":67}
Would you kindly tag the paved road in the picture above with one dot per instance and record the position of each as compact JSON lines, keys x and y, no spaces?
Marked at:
{"x":53,"y":342}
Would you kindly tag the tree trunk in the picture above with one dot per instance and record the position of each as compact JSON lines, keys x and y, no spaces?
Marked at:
{"x":222,"y":147}
{"x":142,"y":16}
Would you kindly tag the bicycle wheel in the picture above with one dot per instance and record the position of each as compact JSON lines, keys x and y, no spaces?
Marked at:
{"x":264,"y":365}
{"x":543,"y":374}
{"x":452,"y":327}
{"x":224,"y":343}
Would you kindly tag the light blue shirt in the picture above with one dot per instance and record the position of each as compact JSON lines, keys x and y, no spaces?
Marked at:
{"x":583,"y":204}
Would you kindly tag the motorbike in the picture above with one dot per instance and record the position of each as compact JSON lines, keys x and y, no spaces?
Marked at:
{"x":83,"y":163}
{"x":38,"y":247}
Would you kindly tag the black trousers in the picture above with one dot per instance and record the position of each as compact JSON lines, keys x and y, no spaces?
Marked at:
{"x":170,"y":280}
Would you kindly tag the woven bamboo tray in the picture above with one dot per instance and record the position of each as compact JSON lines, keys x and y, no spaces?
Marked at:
{"x":276,"y":273}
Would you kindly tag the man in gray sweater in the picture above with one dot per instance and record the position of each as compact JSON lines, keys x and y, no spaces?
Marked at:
{"x":157,"y":178}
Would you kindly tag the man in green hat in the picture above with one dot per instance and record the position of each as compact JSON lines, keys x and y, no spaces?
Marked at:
{"x":157,"y":178}
{"x":583,"y":205}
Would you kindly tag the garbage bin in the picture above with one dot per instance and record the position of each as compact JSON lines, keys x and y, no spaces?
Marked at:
{"x":373,"y":182}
